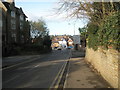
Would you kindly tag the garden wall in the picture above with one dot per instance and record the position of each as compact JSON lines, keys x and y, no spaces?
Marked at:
{"x":106,"y":63}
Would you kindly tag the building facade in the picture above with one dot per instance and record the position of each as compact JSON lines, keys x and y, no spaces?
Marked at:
{"x":15,"y":27}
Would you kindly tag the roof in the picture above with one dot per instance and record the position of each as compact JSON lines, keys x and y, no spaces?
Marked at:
{"x":21,"y":12}
{"x":11,"y":7}
{"x":7,"y":5}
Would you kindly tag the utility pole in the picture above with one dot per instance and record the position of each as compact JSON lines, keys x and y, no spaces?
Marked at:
{"x":74,"y":28}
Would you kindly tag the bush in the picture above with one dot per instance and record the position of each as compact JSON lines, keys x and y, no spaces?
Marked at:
{"x":32,"y":47}
{"x":107,"y":34}
{"x":37,"y":48}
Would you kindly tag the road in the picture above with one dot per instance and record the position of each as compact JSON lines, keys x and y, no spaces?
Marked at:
{"x":36,"y":73}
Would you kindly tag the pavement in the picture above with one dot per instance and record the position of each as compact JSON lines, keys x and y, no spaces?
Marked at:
{"x":80,"y":75}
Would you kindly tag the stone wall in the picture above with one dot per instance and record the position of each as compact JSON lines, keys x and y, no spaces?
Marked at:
{"x":106,"y":63}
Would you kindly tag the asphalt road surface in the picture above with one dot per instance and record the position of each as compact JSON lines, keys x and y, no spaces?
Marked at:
{"x":39,"y":73}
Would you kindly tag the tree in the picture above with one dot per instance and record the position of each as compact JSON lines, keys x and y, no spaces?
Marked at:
{"x":83,"y":32}
{"x":94,"y":11}
{"x":39,"y":28}
{"x":104,"y":20}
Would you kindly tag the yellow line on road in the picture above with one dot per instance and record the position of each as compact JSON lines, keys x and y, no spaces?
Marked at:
{"x":59,"y":76}
{"x":52,"y":85}
{"x":55,"y":83}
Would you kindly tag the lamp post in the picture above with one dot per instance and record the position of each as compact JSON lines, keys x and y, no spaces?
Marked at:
{"x":74,"y":28}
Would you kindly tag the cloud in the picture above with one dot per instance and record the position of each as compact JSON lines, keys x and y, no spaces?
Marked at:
{"x":47,"y":15}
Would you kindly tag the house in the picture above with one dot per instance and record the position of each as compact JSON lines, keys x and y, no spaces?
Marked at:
{"x":15,"y":23}
{"x":60,"y":40}
{"x":16,"y":27}
{"x":23,"y":27}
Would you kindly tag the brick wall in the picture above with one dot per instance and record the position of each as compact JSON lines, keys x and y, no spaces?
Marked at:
{"x":106,"y":63}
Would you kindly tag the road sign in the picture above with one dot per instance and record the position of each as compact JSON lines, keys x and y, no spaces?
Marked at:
{"x":76,"y":39}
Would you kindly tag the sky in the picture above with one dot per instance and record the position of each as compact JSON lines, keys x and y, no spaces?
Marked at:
{"x":46,"y":9}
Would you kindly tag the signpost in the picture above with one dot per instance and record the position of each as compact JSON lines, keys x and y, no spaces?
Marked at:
{"x":76,"y":41}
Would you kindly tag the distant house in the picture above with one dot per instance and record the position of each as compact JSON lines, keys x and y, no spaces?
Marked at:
{"x":60,"y":40}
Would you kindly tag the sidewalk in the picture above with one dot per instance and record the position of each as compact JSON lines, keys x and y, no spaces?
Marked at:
{"x":80,"y":75}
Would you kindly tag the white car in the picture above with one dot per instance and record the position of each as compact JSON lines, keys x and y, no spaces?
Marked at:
{"x":59,"y":48}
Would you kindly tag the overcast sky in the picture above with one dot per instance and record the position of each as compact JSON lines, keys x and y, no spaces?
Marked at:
{"x":57,"y":24}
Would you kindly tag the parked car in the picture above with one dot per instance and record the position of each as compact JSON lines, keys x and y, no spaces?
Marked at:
{"x":70,"y":47}
{"x":59,"y":48}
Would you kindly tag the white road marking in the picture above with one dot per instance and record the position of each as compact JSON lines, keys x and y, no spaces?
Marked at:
{"x":12,"y":79}
{"x":19,"y":63}
{"x":36,"y":66}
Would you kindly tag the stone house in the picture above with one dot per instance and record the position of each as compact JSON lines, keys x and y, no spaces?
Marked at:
{"x":23,"y":27}
{"x":17,"y":28}
{"x":15,"y":23}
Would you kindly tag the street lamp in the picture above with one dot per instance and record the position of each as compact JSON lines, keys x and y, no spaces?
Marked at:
{"x":74,"y":28}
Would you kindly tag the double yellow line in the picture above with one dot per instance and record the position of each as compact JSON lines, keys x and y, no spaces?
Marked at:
{"x":58,"y":77}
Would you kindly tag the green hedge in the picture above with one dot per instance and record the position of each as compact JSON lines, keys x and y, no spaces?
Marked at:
{"x":107,"y":34}
{"x":36,"y":48}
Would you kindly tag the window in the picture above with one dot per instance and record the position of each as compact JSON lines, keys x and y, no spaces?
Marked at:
{"x":12,"y":14}
{"x":13,"y":27}
{"x":14,"y":37}
{"x":21,"y":17}
{"x":22,"y":39}
{"x":13,"y":24}
{"x":21,"y":25}
{"x":22,"y":36}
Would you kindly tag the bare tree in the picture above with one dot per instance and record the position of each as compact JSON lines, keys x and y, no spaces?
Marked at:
{"x":94,"y":11}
